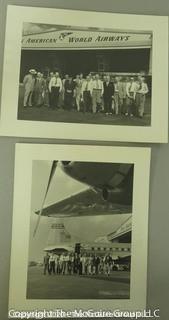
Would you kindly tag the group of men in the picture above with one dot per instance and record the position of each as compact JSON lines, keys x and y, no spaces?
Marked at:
{"x":116,"y":95}
{"x":80,"y":264}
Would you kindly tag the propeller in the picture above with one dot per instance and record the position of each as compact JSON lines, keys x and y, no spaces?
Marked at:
{"x":52,"y":171}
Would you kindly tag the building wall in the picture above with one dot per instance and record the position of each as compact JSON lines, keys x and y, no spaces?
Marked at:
{"x":76,"y":61}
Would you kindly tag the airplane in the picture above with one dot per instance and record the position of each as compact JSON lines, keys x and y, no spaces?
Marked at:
{"x":110,"y":190}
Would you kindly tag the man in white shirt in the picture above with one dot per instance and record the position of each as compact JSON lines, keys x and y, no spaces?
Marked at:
{"x":65,"y":263}
{"x":86,"y":93}
{"x":52,"y":263}
{"x":60,"y":263}
{"x":131,"y":88}
{"x":83,"y":261}
{"x":55,"y":87}
{"x":97,"y":92}
{"x":142,"y":90}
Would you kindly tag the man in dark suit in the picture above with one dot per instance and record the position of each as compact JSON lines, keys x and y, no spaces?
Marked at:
{"x":108,"y":94}
{"x":69,"y":87}
{"x":46,"y":263}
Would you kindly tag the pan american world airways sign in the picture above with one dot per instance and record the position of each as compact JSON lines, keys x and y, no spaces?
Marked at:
{"x":85,"y":39}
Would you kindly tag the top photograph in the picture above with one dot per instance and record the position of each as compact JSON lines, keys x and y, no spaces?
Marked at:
{"x":84,"y":77}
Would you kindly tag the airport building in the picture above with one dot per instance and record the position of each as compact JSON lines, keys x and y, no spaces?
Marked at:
{"x":59,"y":239}
{"x":123,"y":233}
{"x":75,"y":50}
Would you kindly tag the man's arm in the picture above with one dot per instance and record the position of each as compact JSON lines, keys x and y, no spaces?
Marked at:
{"x":50,"y":84}
{"x":82,"y":89}
{"x":102,"y":88}
{"x":25,"y":79}
{"x":145,"y":88}
{"x":113,"y":89}
{"x":127,"y":90}
{"x":60,"y":83}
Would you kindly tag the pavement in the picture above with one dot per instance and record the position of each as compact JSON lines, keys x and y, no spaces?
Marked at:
{"x":40,"y":286}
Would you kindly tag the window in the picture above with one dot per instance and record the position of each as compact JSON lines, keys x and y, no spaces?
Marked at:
{"x":101,"y":63}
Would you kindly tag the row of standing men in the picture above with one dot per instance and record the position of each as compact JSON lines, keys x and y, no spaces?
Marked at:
{"x":90,"y":94}
{"x":80,"y":264}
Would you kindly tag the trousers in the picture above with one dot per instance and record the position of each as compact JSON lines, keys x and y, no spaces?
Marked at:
{"x":140,"y":103}
{"x":87,"y":101}
{"x":96,"y":99}
{"x":54,"y":97}
{"x":27,"y":98}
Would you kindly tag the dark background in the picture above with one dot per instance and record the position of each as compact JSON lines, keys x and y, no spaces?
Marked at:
{"x":84,"y":61}
{"x":158,"y":253}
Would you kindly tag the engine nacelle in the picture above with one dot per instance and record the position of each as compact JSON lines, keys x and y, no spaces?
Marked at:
{"x":117,"y":195}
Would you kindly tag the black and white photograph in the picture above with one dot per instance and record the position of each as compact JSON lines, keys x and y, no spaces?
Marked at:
{"x":85,"y":75}
{"x":89,"y":75}
{"x":80,"y":245}
{"x":82,"y":219}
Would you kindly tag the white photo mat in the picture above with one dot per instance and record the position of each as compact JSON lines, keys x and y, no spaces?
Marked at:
{"x":158,"y":25}
{"x":24,"y":157}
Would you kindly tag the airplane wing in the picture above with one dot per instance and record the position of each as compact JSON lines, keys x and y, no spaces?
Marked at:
{"x":85,"y":203}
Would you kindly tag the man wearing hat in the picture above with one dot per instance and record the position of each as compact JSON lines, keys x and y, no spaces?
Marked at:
{"x":29,"y":82}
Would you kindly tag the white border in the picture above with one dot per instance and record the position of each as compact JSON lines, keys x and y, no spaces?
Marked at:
{"x":25,"y":154}
{"x":10,"y":126}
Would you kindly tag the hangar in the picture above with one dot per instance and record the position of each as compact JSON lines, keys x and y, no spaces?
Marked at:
{"x":75,"y":50}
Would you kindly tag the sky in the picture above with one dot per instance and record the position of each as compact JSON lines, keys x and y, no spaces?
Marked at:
{"x":85,"y":229}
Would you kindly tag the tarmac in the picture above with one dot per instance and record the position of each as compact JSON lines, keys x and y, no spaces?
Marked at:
{"x":40,"y":286}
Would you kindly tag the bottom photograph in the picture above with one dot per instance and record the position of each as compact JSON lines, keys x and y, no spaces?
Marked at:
{"x":80,"y":235}
{"x":83,"y":225}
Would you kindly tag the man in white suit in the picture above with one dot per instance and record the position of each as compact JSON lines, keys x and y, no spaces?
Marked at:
{"x":141,"y":93}
{"x":29,"y":82}
{"x":97,"y":93}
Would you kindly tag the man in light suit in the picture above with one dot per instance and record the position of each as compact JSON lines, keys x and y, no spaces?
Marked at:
{"x":29,"y":82}
{"x":141,"y":93}
{"x":97,"y":93}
